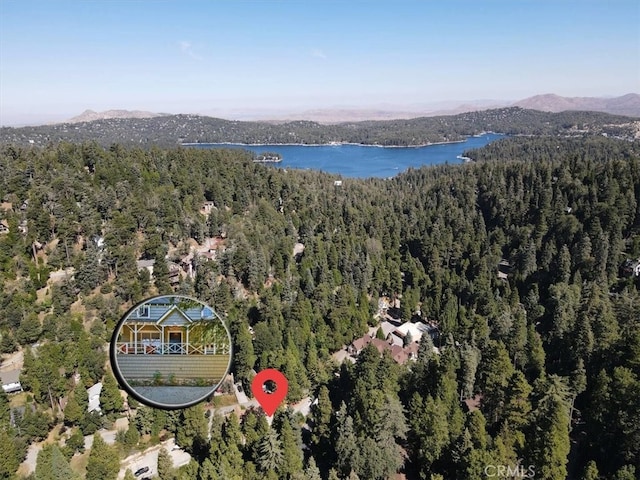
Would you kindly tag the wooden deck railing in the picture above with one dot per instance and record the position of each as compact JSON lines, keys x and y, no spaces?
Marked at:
{"x":130,"y":348}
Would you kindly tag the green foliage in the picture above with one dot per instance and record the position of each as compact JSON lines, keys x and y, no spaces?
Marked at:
{"x":9,"y":460}
{"x":419,"y":131}
{"x":165,"y":465}
{"x":432,"y":236}
{"x":103,"y":463}
{"x":52,"y":465}
{"x":110,"y":399}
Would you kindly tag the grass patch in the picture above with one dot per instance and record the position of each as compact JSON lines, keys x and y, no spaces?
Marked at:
{"x":18,"y":399}
{"x":79,"y":463}
{"x":224,"y":400}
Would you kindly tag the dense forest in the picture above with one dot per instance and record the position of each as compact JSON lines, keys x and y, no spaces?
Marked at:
{"x":174,"y":129}
{"x":549,"y":352}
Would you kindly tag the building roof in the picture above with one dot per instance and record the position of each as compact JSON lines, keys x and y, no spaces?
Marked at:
{"x":381,"y":345}
{"x":399,"y":355}
{"x":416,"y":329}
{"x":145,"y":263}
{"x":174,"y":316}
{"x":361,"y":342}
{"x":396,"y":340}
{"x":387,"y":328}
{"x":93,"y":393}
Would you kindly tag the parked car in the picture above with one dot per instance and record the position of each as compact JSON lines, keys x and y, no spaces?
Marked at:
{"x":140,"y":471}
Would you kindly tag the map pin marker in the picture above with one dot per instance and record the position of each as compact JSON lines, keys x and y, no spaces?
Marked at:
{"x":268,"y":397}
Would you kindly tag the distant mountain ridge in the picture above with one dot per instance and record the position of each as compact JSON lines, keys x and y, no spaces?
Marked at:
{"x":178,"y":129}
{"x":628,"y":105}
{"x":91,"y":116}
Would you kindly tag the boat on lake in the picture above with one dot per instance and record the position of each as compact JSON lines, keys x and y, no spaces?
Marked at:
{"x":268,"y":157}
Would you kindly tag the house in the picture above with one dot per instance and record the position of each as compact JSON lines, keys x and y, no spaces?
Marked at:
{"x":387,"y":328}
{"x":395,"y":339}
{"x":504,"y":269}
{"x":4,"y":227}
{"x":399,"y":355}
{"x":381,"y":345}
{"x":186,"y":263}
{"x":631,"y":268}
{"x":172,"y":340}
{"x":383,"y":305}
{"x":62,"y":275}
{"x":207,"y":207}
{"x":174,"y":273}
{"x":416,"y":330}
{"x":396,"y":343}
{"x":165,"y":325}
{"x":209,"y":249}
{"x":146,"y":265}
{"x":298,"y":250}
{"x":358,"y":345}
{"x":93,"y":393}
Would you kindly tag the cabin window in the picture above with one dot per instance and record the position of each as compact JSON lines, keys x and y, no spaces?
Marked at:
{"x":149,"y":336}
{"x":143,"y":311}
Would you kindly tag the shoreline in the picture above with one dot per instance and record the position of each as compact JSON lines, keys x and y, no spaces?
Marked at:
{"x":332,"y":144}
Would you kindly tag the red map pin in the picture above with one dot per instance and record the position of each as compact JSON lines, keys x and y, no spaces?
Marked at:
{"x":268,"y":397}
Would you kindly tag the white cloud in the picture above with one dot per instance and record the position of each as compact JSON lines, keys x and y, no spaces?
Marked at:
{"x":187,"y":49}
{"x":317,"y":53}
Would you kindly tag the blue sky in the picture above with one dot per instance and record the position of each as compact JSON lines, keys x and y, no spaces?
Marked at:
{"x":58,"y":58}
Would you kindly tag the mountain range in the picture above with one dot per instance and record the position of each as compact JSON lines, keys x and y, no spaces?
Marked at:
{"x":91,"y":116}
{"x":171,"y":130}
{"x":628,"y":105}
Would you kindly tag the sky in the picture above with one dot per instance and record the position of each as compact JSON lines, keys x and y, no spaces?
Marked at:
{"x":59,"y":58}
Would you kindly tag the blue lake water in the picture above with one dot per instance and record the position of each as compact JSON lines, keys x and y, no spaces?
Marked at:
{"x":363,"y":161}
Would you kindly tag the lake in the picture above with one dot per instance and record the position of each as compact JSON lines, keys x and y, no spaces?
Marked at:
{"x":363,"y":161}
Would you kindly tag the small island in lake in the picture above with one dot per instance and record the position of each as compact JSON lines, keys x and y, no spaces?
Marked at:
{"x":268,"y":157}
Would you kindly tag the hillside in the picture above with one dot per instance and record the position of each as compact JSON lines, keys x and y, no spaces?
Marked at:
{"x":175,"y":129}
{"x":547,"y":352}
{"x":91,"y":116}
{"x":625,"y":105}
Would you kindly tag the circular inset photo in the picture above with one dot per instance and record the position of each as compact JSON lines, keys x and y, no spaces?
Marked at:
{"x":171,"y":351}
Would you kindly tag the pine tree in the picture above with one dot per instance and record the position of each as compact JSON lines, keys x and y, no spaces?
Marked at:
{"x":52,"y":465}
{"x":244,"y":358}
{"x":346,"y":443}
{"x":627,"y":472}
{"x":291,"y":452}
{"x":517,"y":406}
{"x":590,"y":471}
{"x":321,"y":416}
{"x":165,"y":465}
{"x":9,"y":460}
{"x":312,"y":472}
{"x":73,"y":413}
{"x":110,"y":398}
{"x":192,"y":433}
{"x":104,"y":462}
{"x":549,"y":445}
{"x":269,"y":454}
{"x":495,"y":371}
{"x":131,"y":436}
{"x":535,"y":354}
{"x":5,"y":410}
